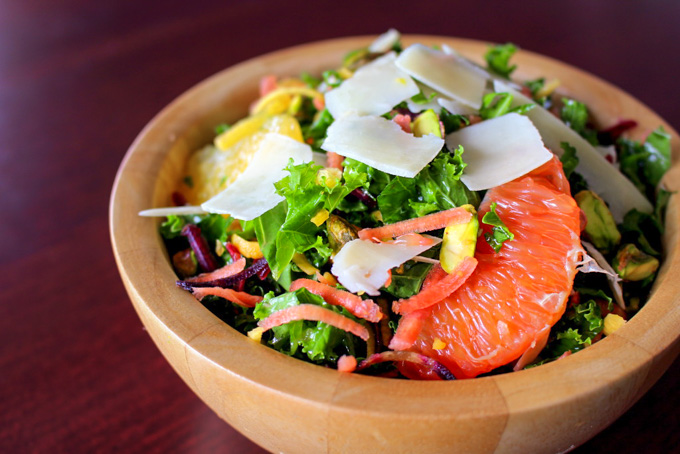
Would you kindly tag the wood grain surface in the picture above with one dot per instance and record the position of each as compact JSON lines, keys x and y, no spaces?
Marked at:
{"x":79,"y":80}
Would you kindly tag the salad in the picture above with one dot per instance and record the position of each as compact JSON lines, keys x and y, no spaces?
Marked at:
{"x":412,"y":214}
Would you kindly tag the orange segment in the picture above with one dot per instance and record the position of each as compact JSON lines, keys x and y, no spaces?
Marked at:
{"x":213,"y":168}
{"x":512,"y":296}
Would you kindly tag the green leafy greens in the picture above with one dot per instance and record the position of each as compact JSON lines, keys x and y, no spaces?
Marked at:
{"x":498,"y":59}
{"x":499,"y":233}
{"x":288,"y":228}
{"x":644,"y":164}
{"x":437,"y":187}
{"x":317,"y":340}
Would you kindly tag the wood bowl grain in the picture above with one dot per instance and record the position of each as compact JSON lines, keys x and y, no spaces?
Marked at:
{"x":286,"y":405}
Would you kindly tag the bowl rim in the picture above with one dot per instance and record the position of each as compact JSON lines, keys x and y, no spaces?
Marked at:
{"x":636,"y":335}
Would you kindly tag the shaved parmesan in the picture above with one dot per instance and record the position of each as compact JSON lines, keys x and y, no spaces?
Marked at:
{"x":252,"y":193}
{"x":382,"y":144}
{"x":385,"y":42}
{"x":602,"y":177}
{"x":319,"y":158}
{"x":429,"y":94}
{"x":499,"y":150}
{"x":602,"y":266}
{"x":373,"y":90}
{"x":362,"y":266}
{"x":446,"y":73}
{"x":456,"y":108}
{"x":169,"y":211}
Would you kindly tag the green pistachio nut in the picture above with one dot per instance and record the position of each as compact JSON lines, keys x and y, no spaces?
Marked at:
{"x":339,"y":232}
{"x":632,"y":264}
{"x":426,"y":123}
{"x":459,"y":241}
{"x":601,"y":228}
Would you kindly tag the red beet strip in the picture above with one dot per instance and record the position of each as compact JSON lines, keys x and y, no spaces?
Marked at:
{"x":365,"y":309}
{"x":411,"y":357}
{"x":426,"y":223}
{"x":225,"y":271}
{"x":619,"y":128}
{"x":312,"y":312}
{"x":365,"y":197}
{"x":434,"y":292}
{"x":234,"y":281}
{"x":233,"y":252}
{"x":200,"y":247}
{"x":241,"y":298}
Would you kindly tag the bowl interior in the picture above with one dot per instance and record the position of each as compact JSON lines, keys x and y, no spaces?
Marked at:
{"x":595,"y":385}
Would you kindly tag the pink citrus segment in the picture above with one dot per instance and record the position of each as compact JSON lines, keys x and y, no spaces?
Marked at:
{"x":437,"y":291}
{"x":514,"y":295}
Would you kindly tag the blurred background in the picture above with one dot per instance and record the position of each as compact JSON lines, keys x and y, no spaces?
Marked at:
{"x":78,"y":81}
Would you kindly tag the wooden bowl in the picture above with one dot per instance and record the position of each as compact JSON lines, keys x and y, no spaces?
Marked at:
{"x":286,"y":405}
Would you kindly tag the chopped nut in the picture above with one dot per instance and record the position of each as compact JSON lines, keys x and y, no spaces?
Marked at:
{"x":612,"y":323}
{"x":256,"y":334}
{"x":438,"y":344}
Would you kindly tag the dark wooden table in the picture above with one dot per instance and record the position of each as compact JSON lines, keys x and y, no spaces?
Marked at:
{"x":79,"y":79}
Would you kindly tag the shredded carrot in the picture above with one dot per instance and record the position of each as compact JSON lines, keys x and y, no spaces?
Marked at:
{"x":426,"y":223}
{"x":319,"y":102}
{"x":404,"y":121}
{"x":365,"y":309}
{"x":241,"y":298}
{"x":334,"y":160}
{"x":347,"y":363}
{"x":408,"y":329}
{"x":220,"y":273}
{"x":389,"y":279}
{"x":313,"y":313}
{"x":435,"y":275}
{"x":437,"y":291}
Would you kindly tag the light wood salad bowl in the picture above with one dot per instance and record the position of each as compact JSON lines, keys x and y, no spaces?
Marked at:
{"x":287,"y":405}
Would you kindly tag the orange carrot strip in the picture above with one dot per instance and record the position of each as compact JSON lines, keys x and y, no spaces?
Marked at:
{"x":435,"y":275}
{"x":220,"y":273}
{"x":319,"y":102}
{"x":389,"y":279}
{"x":347,"y":363}
{"x":241,"y":298}
{"x":365,"y":309}
{"x":334,"y":160}
{"x":404,"y":121}
{"x":408,"y":329}
{"x":437,"y":291}
{"x":313,"y":313}
{"x":426,"y":223}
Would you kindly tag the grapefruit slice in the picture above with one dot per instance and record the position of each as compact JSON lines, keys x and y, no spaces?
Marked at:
{"x":515,"y":295}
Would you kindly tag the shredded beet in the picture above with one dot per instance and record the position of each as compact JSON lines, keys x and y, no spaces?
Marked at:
{"x":200,"y":247}
{"x":178,"y":199}
{"x":365,"y":197}
{"x":264,"y":272}
{"x":233,"y":252}
{"x":411,"y":357}
{"x":611,"y":135}
{"x":236,"y":281}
